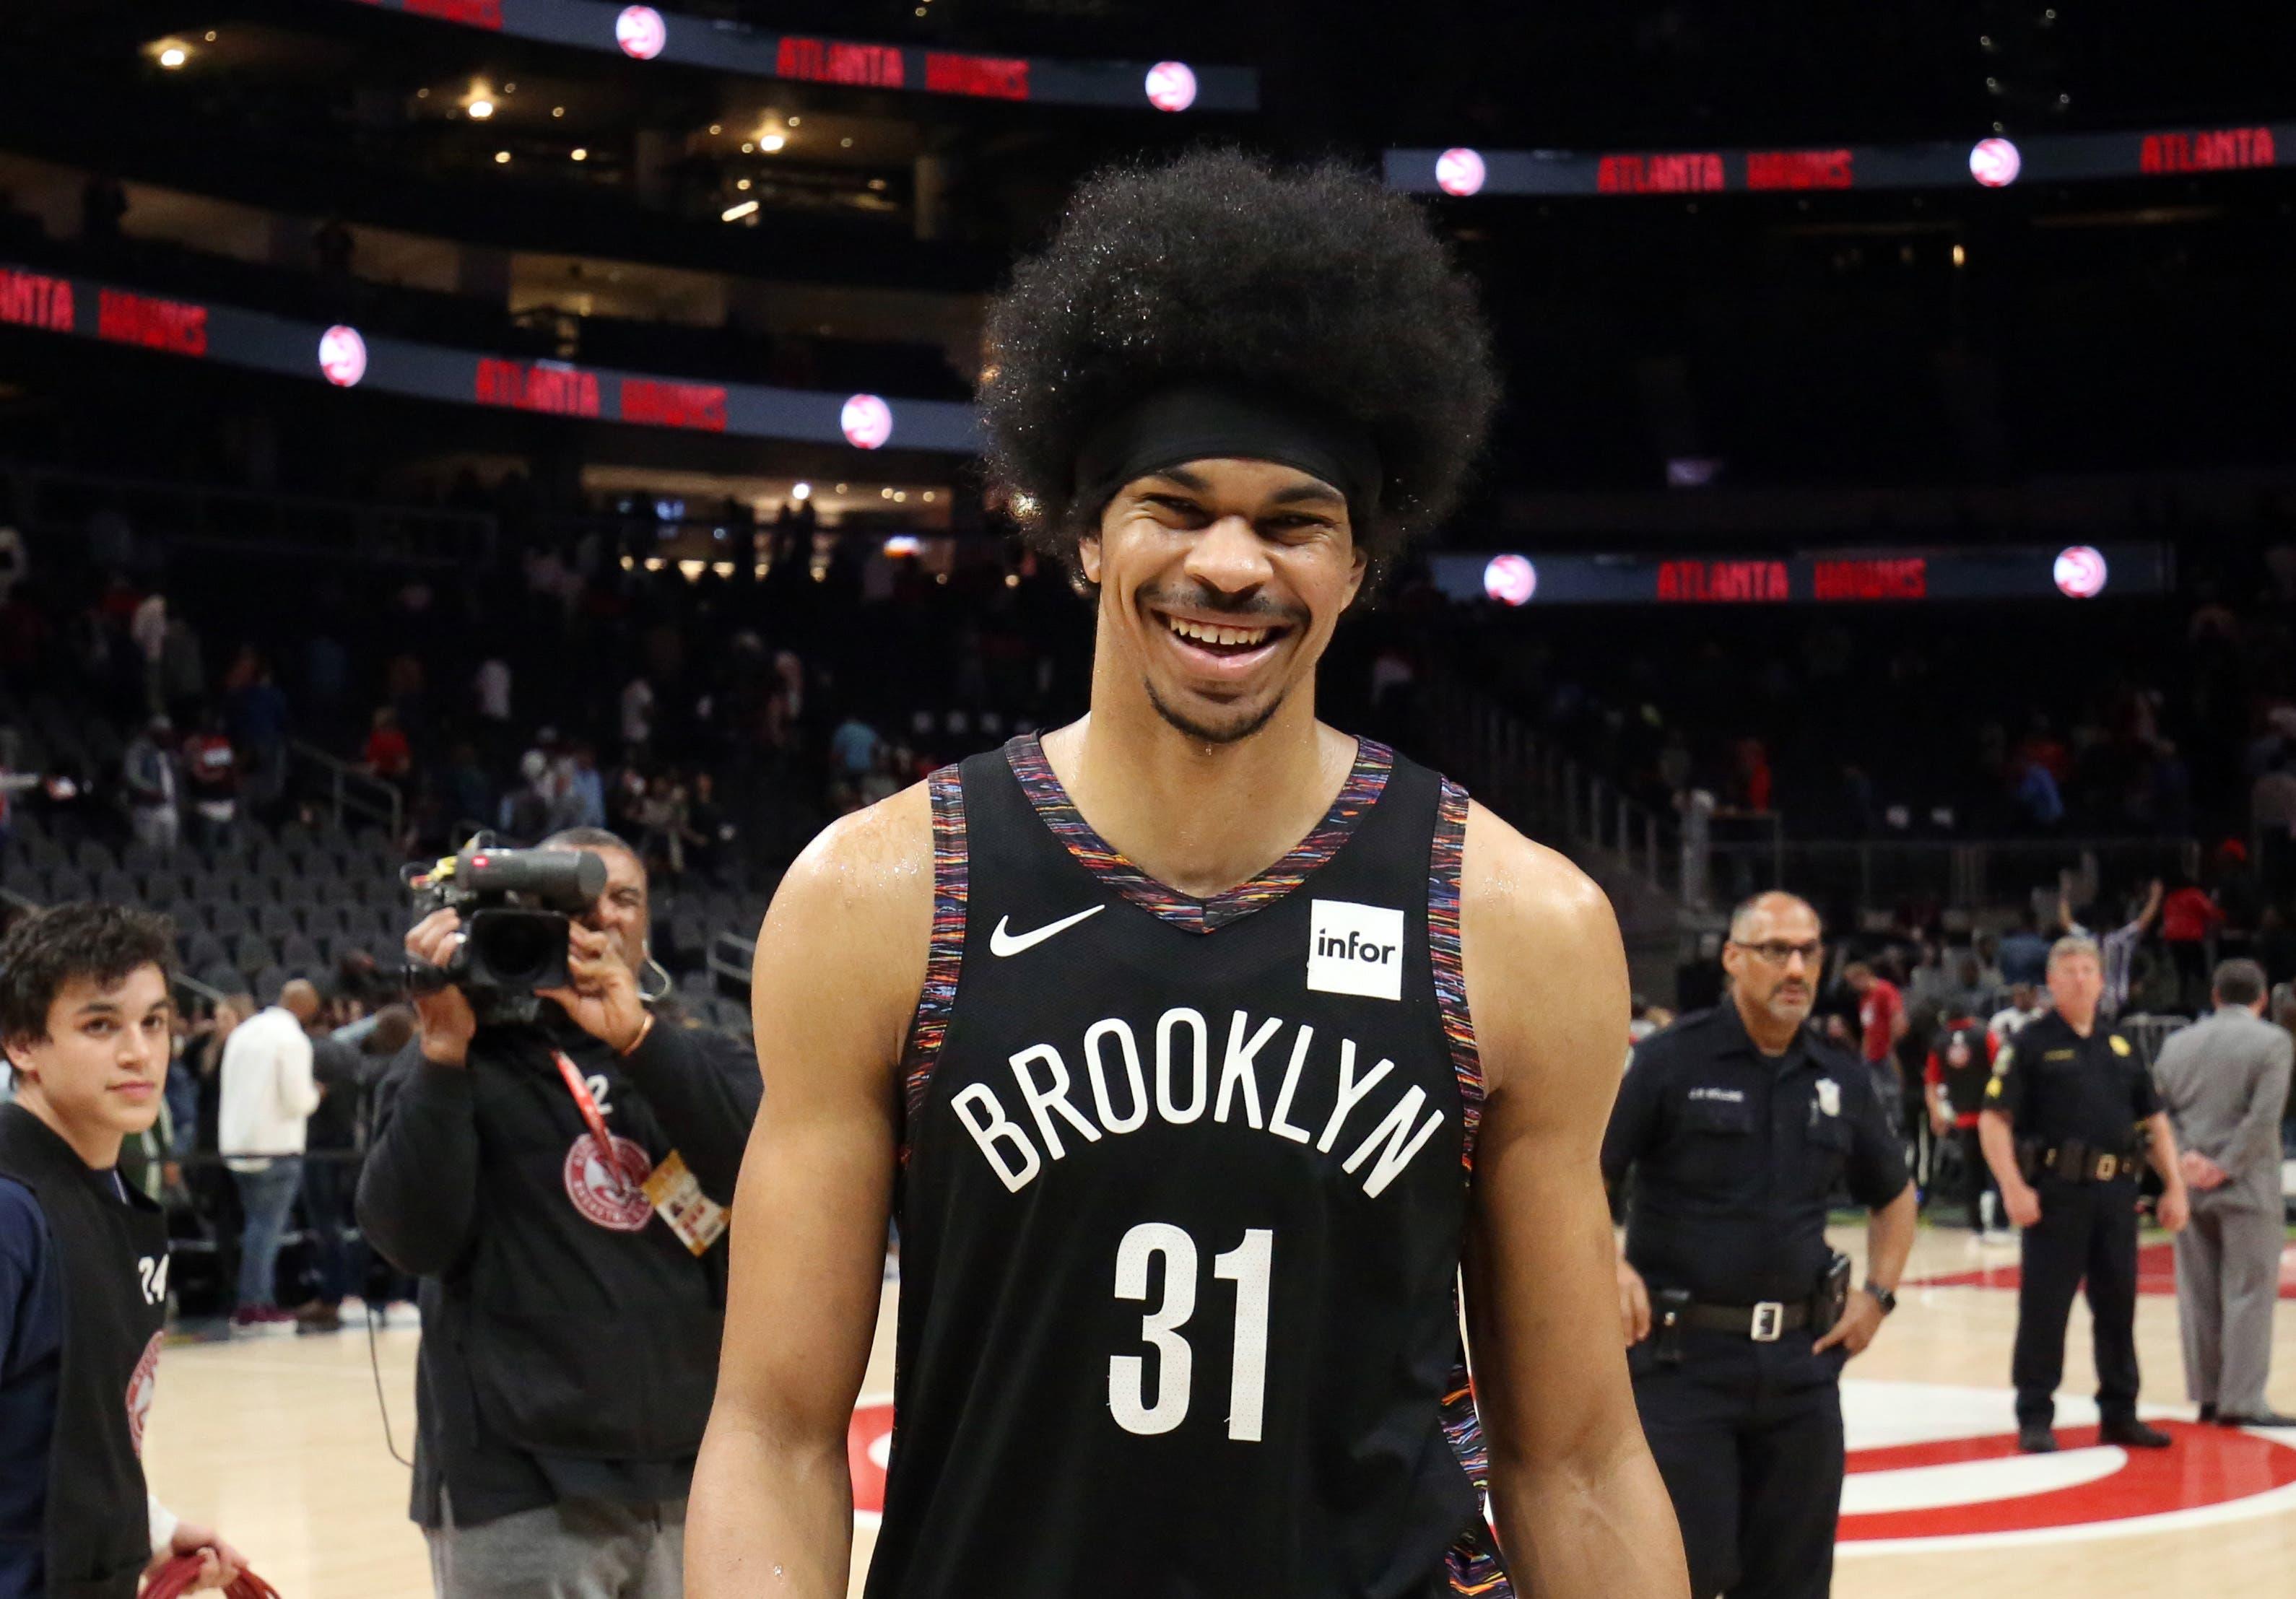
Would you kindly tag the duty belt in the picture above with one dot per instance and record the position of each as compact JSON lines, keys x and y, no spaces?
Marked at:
{"x":1762,"y":1323}
{"x":2075,"y":1162}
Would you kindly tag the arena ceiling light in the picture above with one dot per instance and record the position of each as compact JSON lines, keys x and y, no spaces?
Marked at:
{"x":480,"y":108}
{"x":772,"y":143}
{"x":173,"y":55}
{"x":735,"y":213}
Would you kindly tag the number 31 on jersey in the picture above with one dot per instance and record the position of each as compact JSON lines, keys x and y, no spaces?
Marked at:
{"x":1247,"y":1266}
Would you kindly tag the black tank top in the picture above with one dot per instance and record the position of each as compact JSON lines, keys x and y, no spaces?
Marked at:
{"x":96,"y":1524}
{"x":1183,"y":1185}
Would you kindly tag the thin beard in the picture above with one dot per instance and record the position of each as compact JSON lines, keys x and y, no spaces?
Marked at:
{"x":1207,"y":734}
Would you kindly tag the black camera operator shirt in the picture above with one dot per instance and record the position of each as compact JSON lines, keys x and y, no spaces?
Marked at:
{"x":570,"y":1340}
{"x":2054,"y":1084}
{"x":1736,"y":1155}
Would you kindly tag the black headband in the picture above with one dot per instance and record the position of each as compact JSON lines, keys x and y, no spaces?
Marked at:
{"x":1205,"y":422}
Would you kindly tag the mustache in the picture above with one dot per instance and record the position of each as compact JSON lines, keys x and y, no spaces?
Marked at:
{"x":1195,"y":596}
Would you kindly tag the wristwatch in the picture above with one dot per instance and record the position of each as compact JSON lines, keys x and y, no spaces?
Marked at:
{"x":1882,"y":1297}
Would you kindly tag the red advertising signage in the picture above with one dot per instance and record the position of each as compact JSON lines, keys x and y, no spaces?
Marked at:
{"x":470,"y":13}
{"x":543,"y":386}
{"x":697,"y":405}
{"x":1722,"y":582}
{"x":1800,"y":170}
{"x":1860,"y":579}
{"x":2216,"y":150}
{"x":174,"y":325}
{"x":982,"y":76}
{"x":30,"y":301}
{"x":830,"y":61}
{"x":1699,"y":172}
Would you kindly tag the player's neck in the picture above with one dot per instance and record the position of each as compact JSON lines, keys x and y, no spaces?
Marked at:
{"x":1202,"y":819}
{"x":97,"y":1147}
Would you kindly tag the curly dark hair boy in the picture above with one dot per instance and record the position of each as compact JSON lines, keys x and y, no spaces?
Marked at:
{"x":1315,"y":284}
{"x":48,"y":948}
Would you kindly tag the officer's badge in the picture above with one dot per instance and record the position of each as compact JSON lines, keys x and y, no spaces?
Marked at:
{"x":2119,"y":1045}
{"x":1829,"y":1096}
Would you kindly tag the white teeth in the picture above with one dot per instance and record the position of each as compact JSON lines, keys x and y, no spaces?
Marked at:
{"x":1246,"y":637}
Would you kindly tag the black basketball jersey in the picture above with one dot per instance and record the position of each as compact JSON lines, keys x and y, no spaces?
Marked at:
{"x":1182,"y":1193}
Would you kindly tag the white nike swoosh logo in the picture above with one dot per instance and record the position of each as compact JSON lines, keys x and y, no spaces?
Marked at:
{"x":1001,"y":943}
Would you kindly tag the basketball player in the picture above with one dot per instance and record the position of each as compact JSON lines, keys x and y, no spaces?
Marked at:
{"x":83,"y":1018}
{"x":1199,"y":1044}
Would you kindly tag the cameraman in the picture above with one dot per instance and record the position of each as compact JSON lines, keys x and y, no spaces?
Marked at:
{"x":571,"y":1330}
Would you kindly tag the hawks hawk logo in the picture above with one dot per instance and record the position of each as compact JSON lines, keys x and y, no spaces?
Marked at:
{"x":605,"y":1184}
{"x":141,"y":1386}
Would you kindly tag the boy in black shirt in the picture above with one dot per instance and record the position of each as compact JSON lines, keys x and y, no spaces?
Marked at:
{"x":83,"y":1018}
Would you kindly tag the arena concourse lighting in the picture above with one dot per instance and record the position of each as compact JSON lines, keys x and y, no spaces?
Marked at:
{"x":643,"y":33}
{"x":342,"y":357}
{"x":1993,"y":163}
{"x":1825,"y":577}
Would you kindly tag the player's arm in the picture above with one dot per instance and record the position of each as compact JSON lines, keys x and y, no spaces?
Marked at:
{"x":1579,"y":1505}
{"x":840,"y":963}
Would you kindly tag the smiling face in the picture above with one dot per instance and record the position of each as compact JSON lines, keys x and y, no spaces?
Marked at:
{"x":97,"y":1072}
{"x":1220,"y":583}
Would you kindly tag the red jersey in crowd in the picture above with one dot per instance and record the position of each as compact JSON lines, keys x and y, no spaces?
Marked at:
{"x":1878,"y":1009}
{"x":2188,"y":916}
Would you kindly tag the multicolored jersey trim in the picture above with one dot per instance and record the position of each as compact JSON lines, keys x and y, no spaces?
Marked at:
{"x":1444,"y":950}
{"x":945,"y":959}
{"x":1365,"y":780}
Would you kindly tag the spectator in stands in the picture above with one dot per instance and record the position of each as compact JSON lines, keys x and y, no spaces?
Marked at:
{"x":269,"y":1095}
{"x":582,"y":802}
{"x":387,"y":753}
{"x":343,"y":1062}
{"x":525,"y":811}
{"x":637,"y":717}
{"x":709,"y":832}
{"x":853,"y":750}
{"x":148,"y":773}
{"x":2117,"y":948}
{"x":211,"y":774}
{"x":1881,"y":1022}
{"x":148,"y":629}
{"x":1959,"y":1066}
{"x":2027,"y":1002}
{"x":2024,"y":954}
{"x":258,"y":713}
{"x":1970,"y":993}
{"x":2188,"y":918}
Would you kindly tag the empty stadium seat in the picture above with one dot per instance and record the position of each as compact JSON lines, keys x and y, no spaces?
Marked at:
{"x":275,"y":921}
{"x":251,"y":952}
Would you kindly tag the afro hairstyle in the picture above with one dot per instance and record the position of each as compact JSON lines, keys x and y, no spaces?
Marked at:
{"x":1314,"y":284}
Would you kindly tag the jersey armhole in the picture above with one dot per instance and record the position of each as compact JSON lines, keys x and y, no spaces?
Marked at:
{"x":1445,"y":860}
{"x":945,"y":956}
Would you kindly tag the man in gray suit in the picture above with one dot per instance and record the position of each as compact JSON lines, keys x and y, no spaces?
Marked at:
{"x":2223,"y":1081}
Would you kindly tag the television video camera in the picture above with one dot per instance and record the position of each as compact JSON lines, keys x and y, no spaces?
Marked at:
{"x":516,"y":907}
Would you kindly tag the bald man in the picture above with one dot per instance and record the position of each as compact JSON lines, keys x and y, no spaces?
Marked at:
{"x":1737,"y":1124}
{"x":269,"y":1095}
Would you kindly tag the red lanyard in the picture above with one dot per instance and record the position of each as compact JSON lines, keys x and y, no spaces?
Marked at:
{"x":583,"y":1102}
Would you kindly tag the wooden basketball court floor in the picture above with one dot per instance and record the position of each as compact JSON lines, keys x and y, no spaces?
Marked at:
{"x":279,"y":1443}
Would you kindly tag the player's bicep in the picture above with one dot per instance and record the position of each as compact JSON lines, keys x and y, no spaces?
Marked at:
{"x":809,"y":1225}
{"x":1548,"y":990}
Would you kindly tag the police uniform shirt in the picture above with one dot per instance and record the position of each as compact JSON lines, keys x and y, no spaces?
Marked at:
{"x":1737,"y":1154}
{"x":2054,"y":1084}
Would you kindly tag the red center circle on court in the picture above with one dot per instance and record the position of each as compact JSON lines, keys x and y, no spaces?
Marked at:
{"x":868,"y":1446}
{"x":2205,"y":1467}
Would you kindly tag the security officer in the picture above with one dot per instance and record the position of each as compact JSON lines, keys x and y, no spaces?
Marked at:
{"x":2067,"y":1107}
{"x":1738,"y":1316}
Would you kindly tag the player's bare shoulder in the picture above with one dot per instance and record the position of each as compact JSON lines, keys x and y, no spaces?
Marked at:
{"x":1540,"y":944}
{"x":852,"y":922}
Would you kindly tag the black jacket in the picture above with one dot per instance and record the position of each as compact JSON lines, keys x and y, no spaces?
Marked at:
{"x":569,"y":1344}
